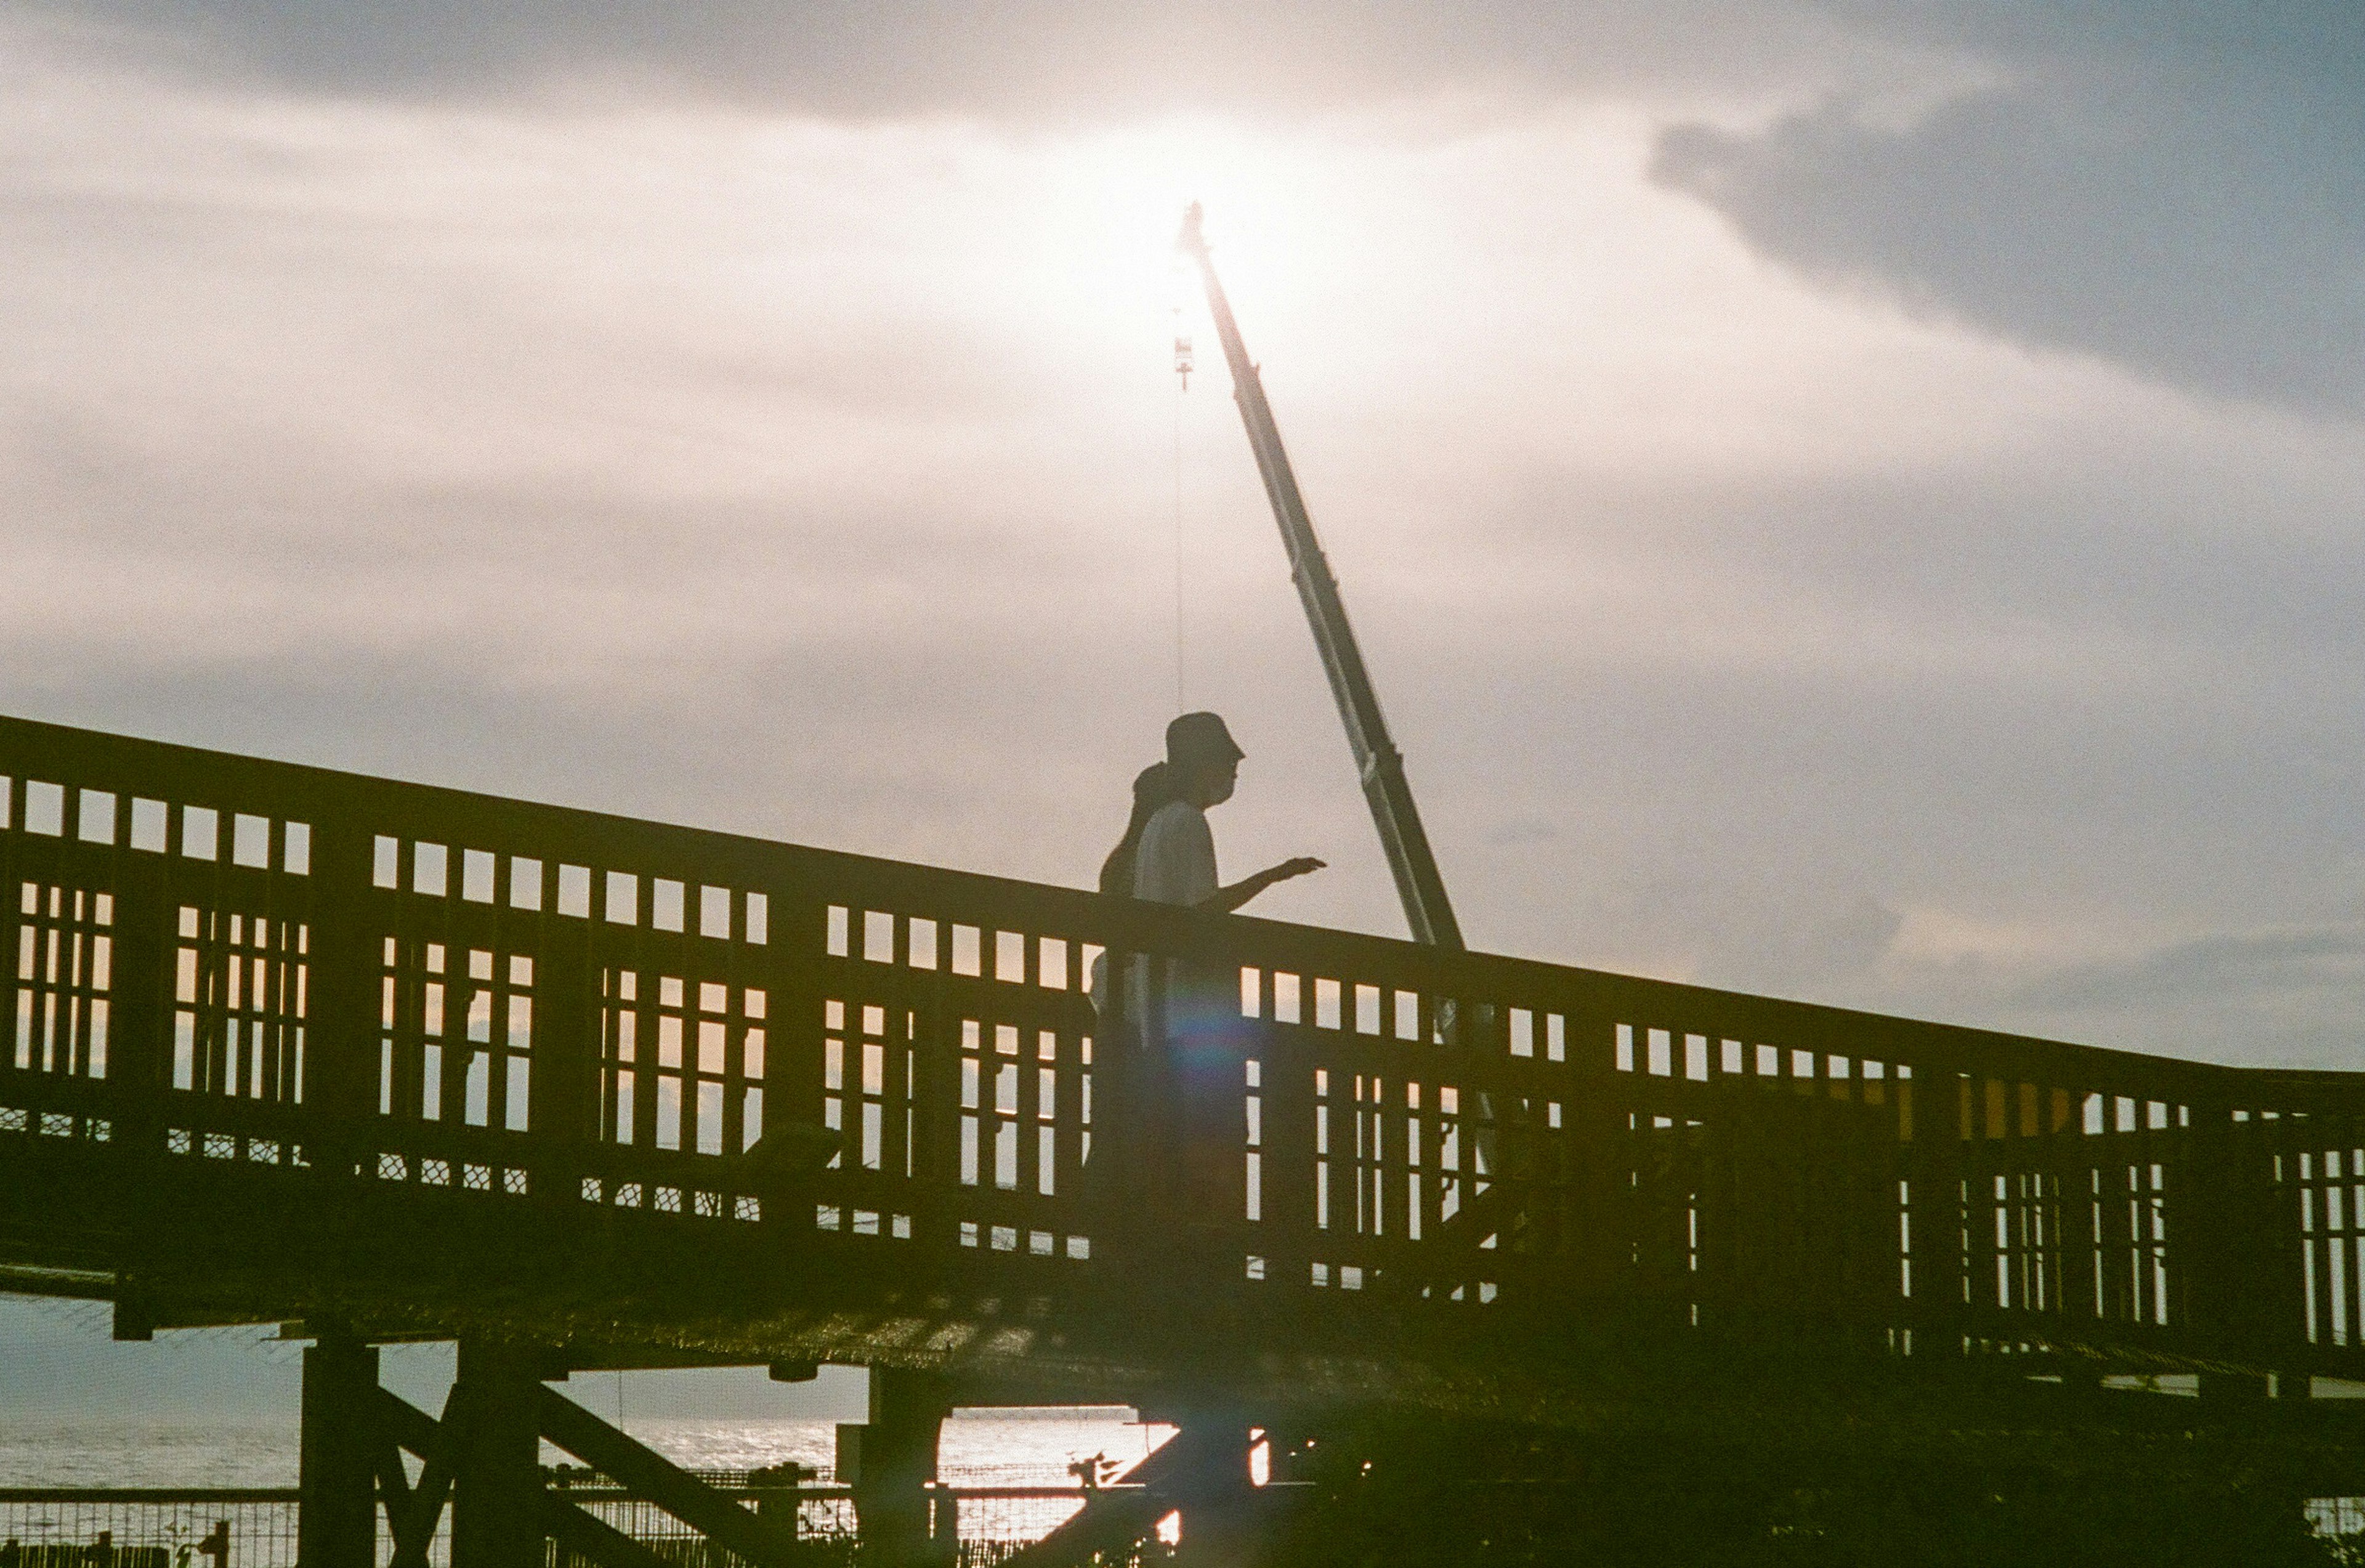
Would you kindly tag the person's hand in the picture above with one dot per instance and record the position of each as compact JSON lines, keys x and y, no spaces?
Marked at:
{"x":1225,"y":900}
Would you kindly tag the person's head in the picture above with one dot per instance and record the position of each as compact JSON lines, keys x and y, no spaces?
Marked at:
{"x":1203,"y":758}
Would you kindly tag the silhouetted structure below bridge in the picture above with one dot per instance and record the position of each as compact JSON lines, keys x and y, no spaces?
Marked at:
{"x":1517,"y":1257}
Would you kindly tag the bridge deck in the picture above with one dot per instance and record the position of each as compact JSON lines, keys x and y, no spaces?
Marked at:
{"x":281,"y":1042}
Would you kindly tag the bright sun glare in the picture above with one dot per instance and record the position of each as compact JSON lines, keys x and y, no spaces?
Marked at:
{"x":1278,"y":213}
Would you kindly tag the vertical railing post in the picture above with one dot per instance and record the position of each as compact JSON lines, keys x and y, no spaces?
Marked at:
{"x":563,"y":1083}
{"x":140,"y":1067}
{"x":1285,"y":1236}
{"x":935,"y":1147}
{"x":1592,"y":1268}
{"x":2238,"y":1246}
{"x":341,"y":1017}
{"x":795,"y":939}
{"x":336,"y":1512}
{"x":1931,"y":1134}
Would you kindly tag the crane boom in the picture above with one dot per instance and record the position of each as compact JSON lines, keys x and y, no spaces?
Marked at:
{"x":1377,"y":761}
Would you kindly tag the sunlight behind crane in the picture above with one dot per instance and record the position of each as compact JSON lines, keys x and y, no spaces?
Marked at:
{"x":1287,"y":219}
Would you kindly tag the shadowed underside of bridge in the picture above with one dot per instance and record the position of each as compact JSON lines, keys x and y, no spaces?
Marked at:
{"x":282,"y":1044}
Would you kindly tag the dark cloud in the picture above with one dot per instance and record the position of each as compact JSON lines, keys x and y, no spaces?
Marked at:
{"x":2177,"y":189}
{"x":2213,"y":969}
{"x":1032,"y":59}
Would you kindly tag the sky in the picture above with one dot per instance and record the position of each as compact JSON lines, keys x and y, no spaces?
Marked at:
{"x":1855,"y":500}
{"x":222,"y":1405}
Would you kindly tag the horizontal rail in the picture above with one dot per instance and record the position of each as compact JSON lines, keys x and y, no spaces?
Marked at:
{"x":256,"y":1526}
{"x":824,"y":1492}
{"x":148,"y":1495}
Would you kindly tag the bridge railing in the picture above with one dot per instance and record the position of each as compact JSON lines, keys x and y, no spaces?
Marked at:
{"x":290,"y":987}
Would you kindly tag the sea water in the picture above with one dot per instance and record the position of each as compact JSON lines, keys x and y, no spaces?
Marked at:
{"x":218,"y":1407}
{"x":982,"y":1447}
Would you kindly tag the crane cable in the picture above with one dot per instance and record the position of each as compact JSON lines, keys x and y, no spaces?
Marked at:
{"x":1183,"y":385}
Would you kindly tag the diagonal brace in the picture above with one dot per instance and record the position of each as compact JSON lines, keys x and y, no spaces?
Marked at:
{"x":585,"y":1534}
{"x":1116,"y":1517}
{"x":651,"y":1476}
{"x":412,"y":1511}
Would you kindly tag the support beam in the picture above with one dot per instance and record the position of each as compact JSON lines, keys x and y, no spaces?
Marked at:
{"x":404,"y":1424}
{"x":578,"y":1530}
{"x":336,"y":1517}
{"x":2233,"y":1387}
{"x":1212,"y":1489}
{"x":895,"y":1465}
{"x":411,"y":1512}
{"x":654,"y":1478}
{"x":1126,"y":1510}
{"x":497,"y":1516}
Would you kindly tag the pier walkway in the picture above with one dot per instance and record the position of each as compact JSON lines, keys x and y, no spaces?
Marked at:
{"x":386,"y":1060}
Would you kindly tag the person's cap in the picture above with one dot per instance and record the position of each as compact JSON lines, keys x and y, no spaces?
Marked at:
{"x":1200,"y":737}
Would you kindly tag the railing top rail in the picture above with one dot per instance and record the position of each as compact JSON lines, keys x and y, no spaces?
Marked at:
{"x":161,"y":1495}
{"x":601,"y":1490}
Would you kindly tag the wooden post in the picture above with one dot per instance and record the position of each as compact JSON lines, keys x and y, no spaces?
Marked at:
{"x":341,"y":1063}
{"x":497,"y":1516}
{"x":944,"y":1523}
{"x":1221,"y":1516}
{"x":336,"y":1517}
{"x":564,"y":1087}
{"x":898,"y":1460}
{"x":779,"y":1507}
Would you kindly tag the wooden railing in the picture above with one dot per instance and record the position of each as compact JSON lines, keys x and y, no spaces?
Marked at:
{"x":264,"y":993}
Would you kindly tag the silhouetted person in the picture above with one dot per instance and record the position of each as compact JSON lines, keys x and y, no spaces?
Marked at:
{"x":1124,"y":1084}
{"x":1179,"y":1079}
{"x":1153,"y":788}
{"x":1175,"y":861}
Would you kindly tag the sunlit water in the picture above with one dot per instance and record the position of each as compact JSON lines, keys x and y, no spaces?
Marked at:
{"x":995,"y":1449}
{"x":999,"y":1448}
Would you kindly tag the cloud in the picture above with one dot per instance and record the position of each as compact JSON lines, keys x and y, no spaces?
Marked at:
{"x":734,"y":415}
{"x":2179,"y":189}
{"x":2270,"y":995}
{"x":1024,"y":61}
{"x":816,"y":480}
{"x":2181,"y":194}
{"x":2216,"y":967}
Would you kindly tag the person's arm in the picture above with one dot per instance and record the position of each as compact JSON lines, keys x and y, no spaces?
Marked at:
{"x":1223,"y":900}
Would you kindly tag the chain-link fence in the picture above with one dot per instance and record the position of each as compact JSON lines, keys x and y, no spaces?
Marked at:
{"x":132,"y":1527}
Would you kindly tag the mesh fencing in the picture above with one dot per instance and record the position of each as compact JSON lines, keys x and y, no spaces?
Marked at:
{"x":147,"y":1528}
{"x":256,"y":1527}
